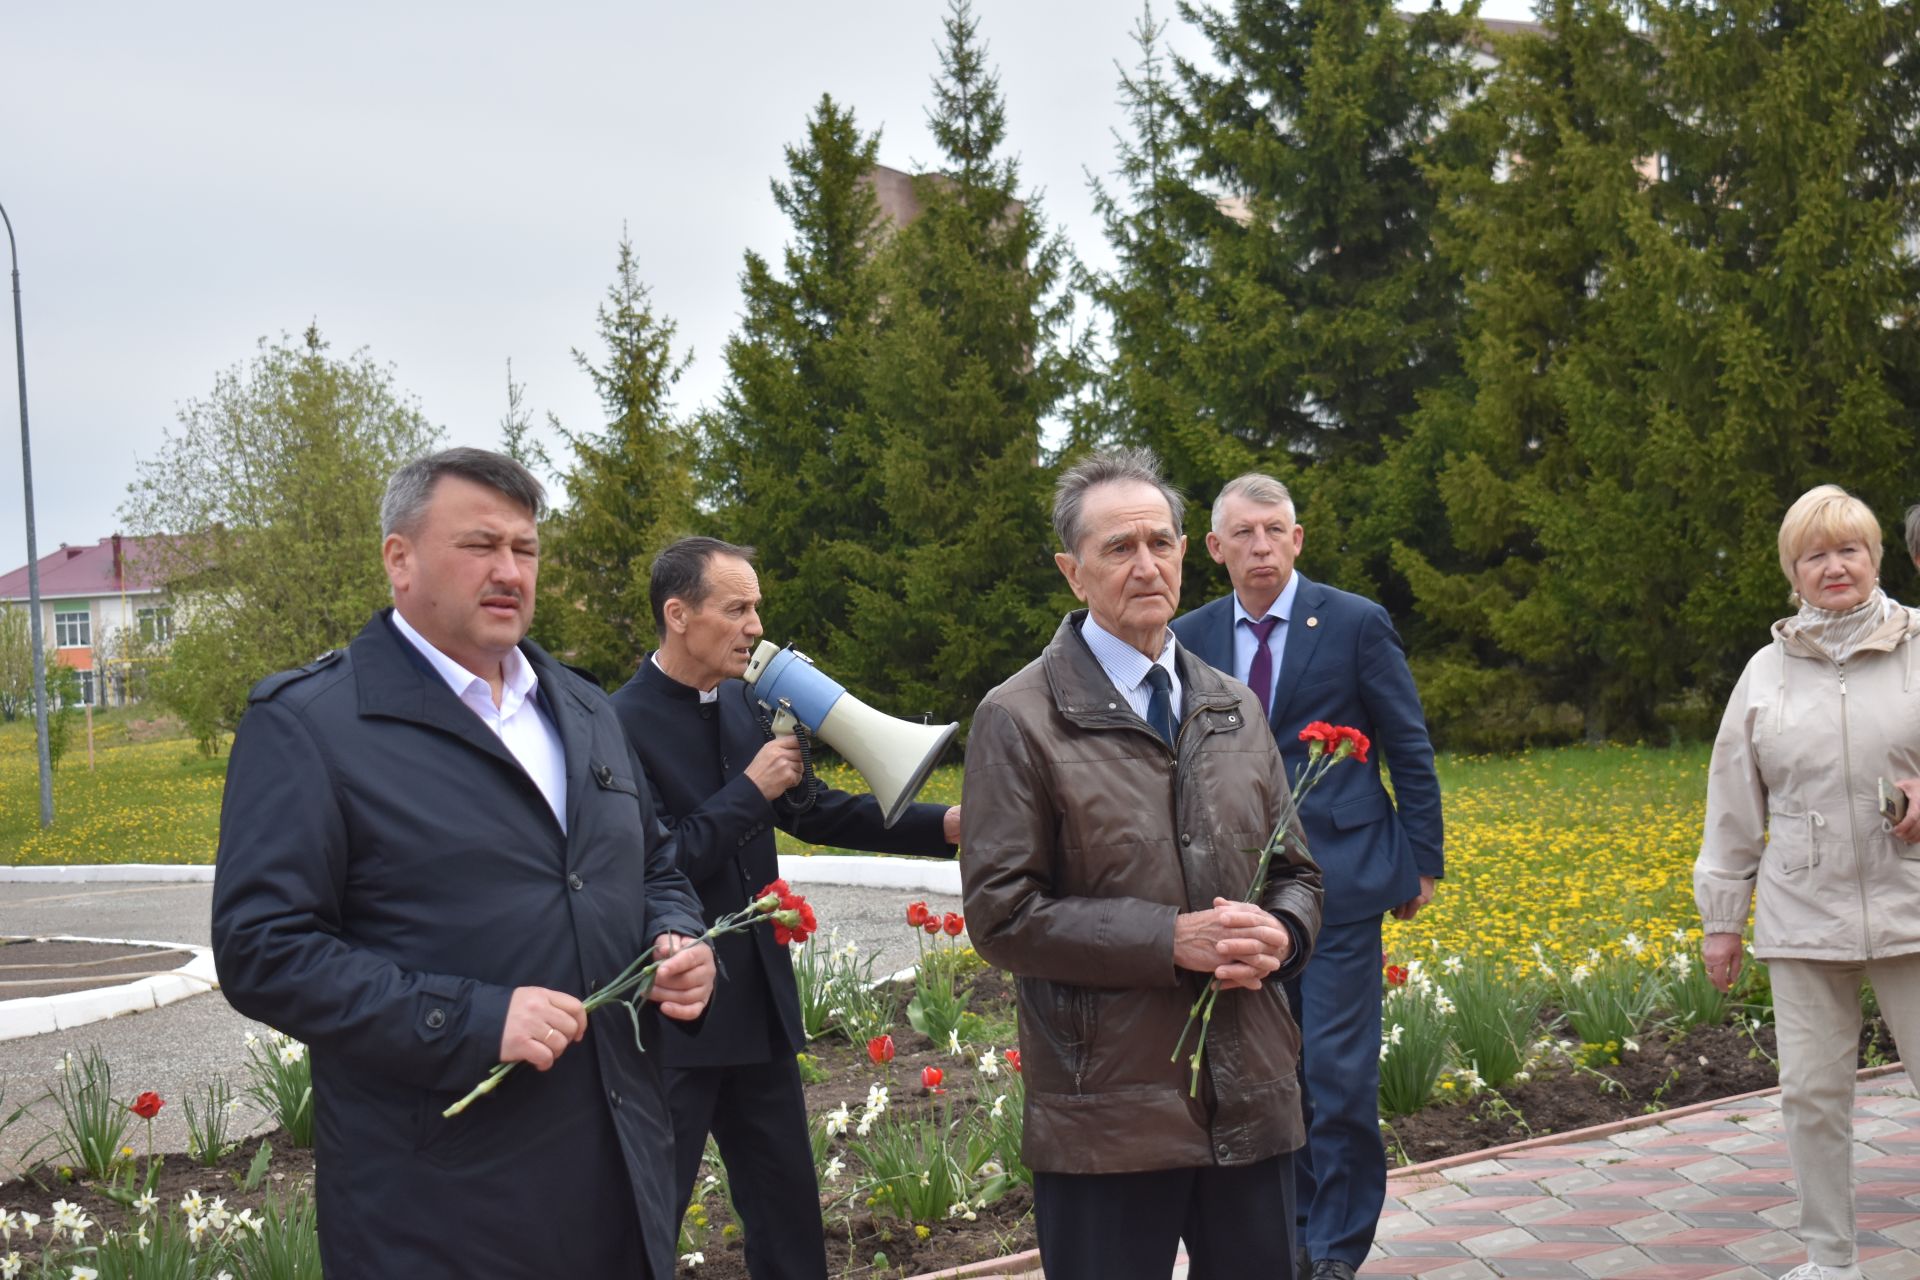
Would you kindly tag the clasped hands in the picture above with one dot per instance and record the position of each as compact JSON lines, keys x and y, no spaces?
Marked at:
{"x":541,"y":1022}
{"x":1237,"y":942}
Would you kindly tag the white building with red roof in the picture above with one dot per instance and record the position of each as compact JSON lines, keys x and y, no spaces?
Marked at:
{"x":86,"y":595}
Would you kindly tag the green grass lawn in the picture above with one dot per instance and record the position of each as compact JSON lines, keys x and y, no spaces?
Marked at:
{"x":154,"y":800}
{"x":1575,"y":848}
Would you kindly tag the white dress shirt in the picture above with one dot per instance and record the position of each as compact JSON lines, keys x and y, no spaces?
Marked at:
{"x":518,"y":722}
{"x":1127,"y":667}
{"x":1243,"y":642}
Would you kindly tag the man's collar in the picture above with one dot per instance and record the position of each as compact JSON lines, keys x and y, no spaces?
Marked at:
{"x":1121,"y":660}
{"x":1282,"y":605}
{"x":516,"y":673}
{"x":705,"y":695}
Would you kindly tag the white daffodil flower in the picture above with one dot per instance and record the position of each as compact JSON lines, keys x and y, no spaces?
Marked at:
{"x":252,"y":1040}
{"x":953,"y":1041}
{"x":291,"y":1052}
{"x":7,"y":1223}
{"x":1452,"y":964}
{"x":835,"y":1167}
{"x":192,"y":1205}
{"x":197,"y":1229}
{"x":84,"y":1273}
{"x":989,"y":1065}
{"x":999,"y":1105}
{"x":10,"y":1267}
{"x":693,"y":1259}
{"x":1630,"y":1045}
{"x":837,"y":1120}
{"x":146,"y":1202}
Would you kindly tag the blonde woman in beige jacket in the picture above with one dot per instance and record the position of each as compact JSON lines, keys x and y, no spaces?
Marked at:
{"x":1794,"y":832}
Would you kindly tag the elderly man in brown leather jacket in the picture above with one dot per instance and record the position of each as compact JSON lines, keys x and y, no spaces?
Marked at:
{"x":1117,"y":793}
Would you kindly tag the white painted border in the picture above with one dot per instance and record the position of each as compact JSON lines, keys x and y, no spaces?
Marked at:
{"x":37,"y":1015}
{"x":924,"y":875}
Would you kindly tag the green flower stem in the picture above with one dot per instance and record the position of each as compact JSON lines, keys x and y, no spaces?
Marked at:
{"x":1319,"y":760}
{"x":635,"y":980}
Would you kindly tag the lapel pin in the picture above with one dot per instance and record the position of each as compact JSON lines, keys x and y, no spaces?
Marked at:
{"x":1313,"y":622}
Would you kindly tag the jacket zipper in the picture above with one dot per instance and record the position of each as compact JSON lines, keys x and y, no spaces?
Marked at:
{"x":1853,"y":825}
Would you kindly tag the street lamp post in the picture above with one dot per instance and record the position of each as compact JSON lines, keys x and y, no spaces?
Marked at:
{"x":33,"y":548}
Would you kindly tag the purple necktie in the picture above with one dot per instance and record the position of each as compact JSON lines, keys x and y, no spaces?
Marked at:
{"x":1260,"y":674}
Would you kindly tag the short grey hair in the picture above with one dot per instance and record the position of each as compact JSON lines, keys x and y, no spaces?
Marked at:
{"x":411,"y":487}
{"x":1254,"y":486}
{"x":1913,"y":532}
{"x":1109,"y":466}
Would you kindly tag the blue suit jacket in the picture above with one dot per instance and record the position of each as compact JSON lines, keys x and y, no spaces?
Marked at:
{"x":1343,"y":663}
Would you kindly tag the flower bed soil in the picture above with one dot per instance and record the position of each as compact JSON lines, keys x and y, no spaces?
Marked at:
{"x":289,"y":1169}
{"x":1666,"y":1072}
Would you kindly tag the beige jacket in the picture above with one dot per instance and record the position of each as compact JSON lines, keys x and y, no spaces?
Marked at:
{"x":1793,"y":827}
{"x":1083,"y":837}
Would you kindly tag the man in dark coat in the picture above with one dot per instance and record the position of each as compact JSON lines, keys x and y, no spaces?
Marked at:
{"x":1310,"y":652}
{"x":433,"y":844}
{"x":720,"y":781}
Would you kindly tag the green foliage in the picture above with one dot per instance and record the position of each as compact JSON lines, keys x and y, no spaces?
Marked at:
{"x":1691,"y":299}
{"x":1609,"y":1003}
{"x":281,"y":1075}
{"x":916,"y":1167}
{"x":273,"y":487}
{"x":939,"y":1005}
{"x":1495,"y":1017}
{"x":209,"y":1123}
{"x":287,"y":1246}
{"x":956,"y":588}
{"x":92,"y":1124}
{"x":790,"y":456}
{"x":1413,"y":1047}
{"x":63,"y":709}
{"x":16,"y":663}
{"x":629,"y":487}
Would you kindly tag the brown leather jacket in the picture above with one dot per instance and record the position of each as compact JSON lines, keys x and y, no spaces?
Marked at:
{"x":1082,"y":838}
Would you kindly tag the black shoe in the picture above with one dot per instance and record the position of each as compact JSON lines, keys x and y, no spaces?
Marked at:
{"x":1332,"y":1269}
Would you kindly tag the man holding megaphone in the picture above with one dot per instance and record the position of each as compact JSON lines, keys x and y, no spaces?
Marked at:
{"x":724,"y":781}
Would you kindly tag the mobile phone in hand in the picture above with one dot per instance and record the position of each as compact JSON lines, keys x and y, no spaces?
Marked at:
{"x":1893,"y":802}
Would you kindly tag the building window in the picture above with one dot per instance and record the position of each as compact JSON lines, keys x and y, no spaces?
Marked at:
{"x":73,"y":630}
{"x":86,"y":688}
{"x":156,"y":625}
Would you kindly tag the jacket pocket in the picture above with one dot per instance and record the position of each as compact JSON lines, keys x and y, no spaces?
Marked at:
{"x":1793,"y":846}
{"x":1075,"y":1017}
{"x":611,"y":781}
{"x":1359,"y":811}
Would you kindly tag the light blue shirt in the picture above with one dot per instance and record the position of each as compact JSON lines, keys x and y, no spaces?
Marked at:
{"x":1127,"y":667}
{"x":1243,"y":641}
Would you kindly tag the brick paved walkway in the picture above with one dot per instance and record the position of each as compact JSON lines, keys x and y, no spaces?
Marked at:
{"x":1705,"y":1194}
{"x":1708,"y":1194}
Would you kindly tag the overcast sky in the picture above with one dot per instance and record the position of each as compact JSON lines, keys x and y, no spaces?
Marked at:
{"x":444,"y":185}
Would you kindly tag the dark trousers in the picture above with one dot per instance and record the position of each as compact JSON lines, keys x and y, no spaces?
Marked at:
{"x":758,"y":1116}
{"x":1128,"y":1226}
{"x":1342,"y":1171}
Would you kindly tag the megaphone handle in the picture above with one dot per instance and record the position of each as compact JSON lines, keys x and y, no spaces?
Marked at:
{"x":800,"y":797}
{"x":784,"y":725}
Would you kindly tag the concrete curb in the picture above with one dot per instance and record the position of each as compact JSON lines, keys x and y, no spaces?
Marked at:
{"x":1597,"y":1131}
{"x":913,"y":875}
{"x":37,"y":1015}
{"x":90,"y":873}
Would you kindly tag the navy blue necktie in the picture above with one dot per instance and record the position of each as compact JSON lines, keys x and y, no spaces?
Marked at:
{"x":1160,"y":702}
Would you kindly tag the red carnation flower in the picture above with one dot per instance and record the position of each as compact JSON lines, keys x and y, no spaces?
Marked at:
{"x":917,"y":914}
{"x":1359,"y":740}
{"x":1319,"y":731}
{"x":147,"y":1105}
{"x":880,"y":1049}
{"x":955,"y":924}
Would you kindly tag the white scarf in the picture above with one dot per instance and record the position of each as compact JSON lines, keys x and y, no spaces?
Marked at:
{"x":1839,"y":634}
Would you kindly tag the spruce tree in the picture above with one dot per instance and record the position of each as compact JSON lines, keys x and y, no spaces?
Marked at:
{"x":789,"y":459}
{"x":629,"y":489}
{"x":1324,"y":312}
{"x":1149,"y":392}
{"x":971,"y":356}
{"x":1693,"y":301}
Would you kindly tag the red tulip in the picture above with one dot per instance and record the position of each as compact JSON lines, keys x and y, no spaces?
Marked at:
{"x":931,"y":1077}
{"x":932,"y":925}
{"x":880,"y":1049}
{"x":1396,"y":975}
{"x":1013,"y":1059}
{"x":147,"y":1105}
{"x":917,"y":914}
{"x":955,"y":924}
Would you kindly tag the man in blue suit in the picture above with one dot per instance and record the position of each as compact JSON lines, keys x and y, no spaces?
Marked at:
{"x":1311,"y":653}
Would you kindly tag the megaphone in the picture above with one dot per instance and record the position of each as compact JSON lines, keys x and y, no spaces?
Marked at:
{"x":894,"y":756}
